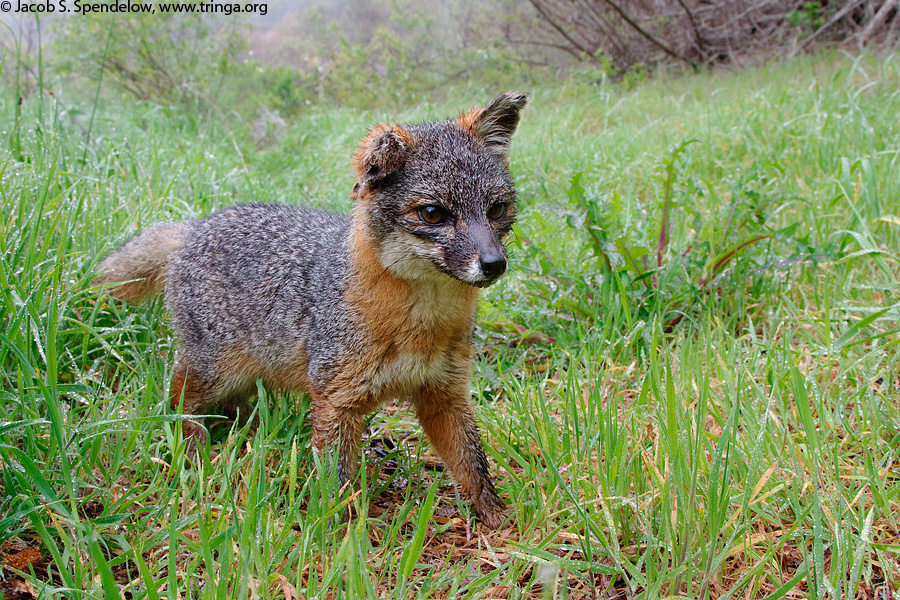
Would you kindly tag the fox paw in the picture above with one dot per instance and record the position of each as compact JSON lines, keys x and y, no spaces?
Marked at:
{"x":494,"y":519}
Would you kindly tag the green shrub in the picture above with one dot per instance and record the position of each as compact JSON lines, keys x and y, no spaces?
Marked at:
{"x":163,"y":58}
{"x":674,"y":260}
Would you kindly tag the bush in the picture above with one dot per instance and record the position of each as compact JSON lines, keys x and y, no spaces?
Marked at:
{"x":163,"y":58}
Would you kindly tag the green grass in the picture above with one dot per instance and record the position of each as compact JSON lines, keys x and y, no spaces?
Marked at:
{"x":656,"y":436}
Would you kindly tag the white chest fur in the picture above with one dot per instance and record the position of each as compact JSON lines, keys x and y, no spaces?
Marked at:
{"x":402,"y":374}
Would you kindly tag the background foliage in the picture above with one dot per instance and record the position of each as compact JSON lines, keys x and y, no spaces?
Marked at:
{"x":391,"y":53}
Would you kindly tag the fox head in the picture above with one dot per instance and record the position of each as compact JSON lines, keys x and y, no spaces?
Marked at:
{"x":437,"y":198}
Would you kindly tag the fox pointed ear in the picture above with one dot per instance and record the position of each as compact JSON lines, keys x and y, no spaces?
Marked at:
{"x":494,"y":124}
{"x":382,"y":152}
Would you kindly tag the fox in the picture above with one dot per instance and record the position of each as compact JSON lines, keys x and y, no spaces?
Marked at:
{"x":354,"y":310}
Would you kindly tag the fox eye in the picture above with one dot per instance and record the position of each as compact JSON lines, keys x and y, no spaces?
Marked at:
{"x":497,"y":211}
{"x":432,"y":214}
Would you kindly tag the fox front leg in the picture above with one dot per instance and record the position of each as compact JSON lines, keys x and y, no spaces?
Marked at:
{"x":448,"y":419}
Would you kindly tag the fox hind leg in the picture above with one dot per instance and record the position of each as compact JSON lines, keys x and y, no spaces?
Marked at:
{"x":191,"y":395}
{"x":237,"y":407}
{"x":340,"y":429}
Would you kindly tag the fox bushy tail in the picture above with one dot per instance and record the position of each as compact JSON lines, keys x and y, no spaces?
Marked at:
{"x":137,"y":270}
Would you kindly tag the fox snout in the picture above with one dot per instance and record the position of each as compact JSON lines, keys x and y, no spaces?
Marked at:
{"x":490,"y":257}
{"x":493,"y":265}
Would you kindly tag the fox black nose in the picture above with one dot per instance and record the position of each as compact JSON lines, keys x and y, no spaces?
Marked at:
{"x":493,"y":265}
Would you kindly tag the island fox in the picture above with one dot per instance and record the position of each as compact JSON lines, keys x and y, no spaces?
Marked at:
{"x":355,"y":310}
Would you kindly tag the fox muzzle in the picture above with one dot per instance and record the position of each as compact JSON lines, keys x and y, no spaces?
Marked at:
{"x":491,"y":253}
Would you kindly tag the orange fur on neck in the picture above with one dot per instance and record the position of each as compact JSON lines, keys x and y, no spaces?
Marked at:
{"x":389,"y":304}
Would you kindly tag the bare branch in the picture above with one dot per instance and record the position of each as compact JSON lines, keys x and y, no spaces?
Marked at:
{"x":561,"y":31}
{"x":834,"y":19}
{"x":877,"y":21}
{"x":700,"y":32}
{"x":698,"y":39}
{"x":652,"y":39}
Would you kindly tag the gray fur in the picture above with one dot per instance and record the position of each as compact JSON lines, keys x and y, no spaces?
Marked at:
{"x":265,"y":278}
